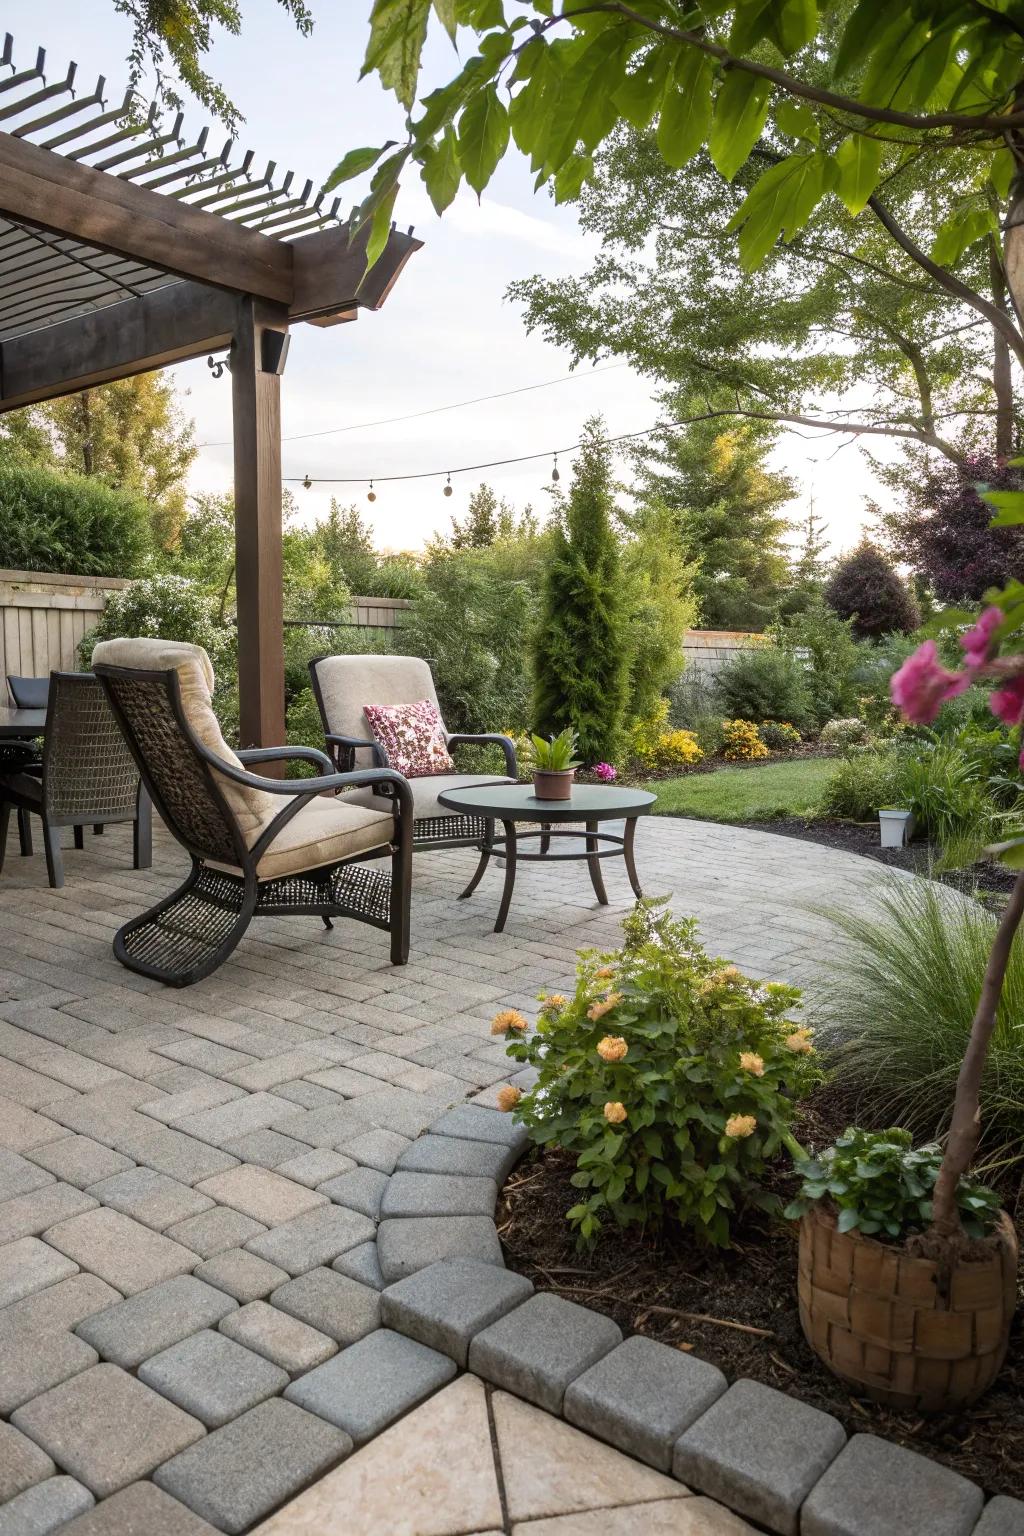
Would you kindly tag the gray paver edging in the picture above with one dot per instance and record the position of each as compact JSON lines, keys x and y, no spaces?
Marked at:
{"x":768,"y":1456}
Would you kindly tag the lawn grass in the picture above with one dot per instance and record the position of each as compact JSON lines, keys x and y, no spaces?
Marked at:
{"x":745,"y":794}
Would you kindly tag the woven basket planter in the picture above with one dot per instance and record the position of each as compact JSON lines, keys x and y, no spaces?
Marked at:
{"x":874,"y":1315}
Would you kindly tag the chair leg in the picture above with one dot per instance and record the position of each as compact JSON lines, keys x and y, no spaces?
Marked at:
{"x":5,"y":821}
{"x":401,"y":893}
{"x":97,"y":830}
{"x":25,"y":832}
{"x":142,"y":832}
{"x":79,"y":837}
{"x":54,"y":857}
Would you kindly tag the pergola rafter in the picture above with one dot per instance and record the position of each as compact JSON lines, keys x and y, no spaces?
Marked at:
{"x":124,"y":248}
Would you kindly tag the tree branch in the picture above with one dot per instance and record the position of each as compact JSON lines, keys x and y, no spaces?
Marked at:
{"x":1000,"y":322}
{"x":994,"y":122}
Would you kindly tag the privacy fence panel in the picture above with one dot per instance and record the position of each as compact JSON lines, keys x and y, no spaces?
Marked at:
{"x":44,"y":616}
{"x":707,"y":651}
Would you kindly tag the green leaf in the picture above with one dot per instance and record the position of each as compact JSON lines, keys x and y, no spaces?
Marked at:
{"x":441,"y":172}
{"x":445,"y":13}
{"x":794,"y":24}
{"x":639,"y":95}
{"x":1000,"y":173}
{"x":398,"y":29}
{"x":741,"y":108}
{"x":1009,"y":507}
{"x":847,"y":1220}
{"x":958,"y":232}
{"x":863,"y":31}
{"x":483,"y":137}
{"x":780,"y":202}
{"x":570,"y":178}
{"x":858,"y":162}
{"x":354,"y":164}
{"x":380,"y":227}
{"x":1010,"y":853}
{"x":686,"y":110}
{"x":798,"y":121}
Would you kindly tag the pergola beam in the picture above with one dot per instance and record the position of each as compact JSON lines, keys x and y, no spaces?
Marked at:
{"x":184,"y":320}
{"x":47,"y":190}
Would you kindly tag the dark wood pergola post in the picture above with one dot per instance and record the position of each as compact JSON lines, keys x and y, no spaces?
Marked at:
{"x":256,"y":406}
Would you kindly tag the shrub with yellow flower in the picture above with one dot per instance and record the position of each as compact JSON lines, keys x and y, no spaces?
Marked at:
{"x":799,"y":1042}
{"x":741,"y":741}
{"x":612,"y":1048}
{"x":683,"y":1021}
{"x":605,"y":972}
{"x":554,"y":1001}
{"x":509,"y":1021}
{"x":508,"y":1097}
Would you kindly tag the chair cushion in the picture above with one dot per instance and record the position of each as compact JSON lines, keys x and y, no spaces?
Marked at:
{"x":426,"y":790}
{"x":322,"y":832}
{"x":252,"y":808}
{"x":413,"y":737}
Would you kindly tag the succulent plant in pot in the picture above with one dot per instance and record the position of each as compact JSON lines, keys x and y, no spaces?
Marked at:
{"x":554,"y":763}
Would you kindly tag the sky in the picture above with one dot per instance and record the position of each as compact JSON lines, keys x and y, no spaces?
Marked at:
{"x":446,"y":333}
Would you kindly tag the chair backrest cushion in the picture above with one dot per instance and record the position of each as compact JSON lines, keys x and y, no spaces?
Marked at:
{"x":346,"y":683}
{"x":252,"y":808}
{"x":29,"y":692}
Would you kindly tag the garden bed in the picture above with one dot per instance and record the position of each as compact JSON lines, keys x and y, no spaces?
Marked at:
{"x":738,"y":1309}
{"x":863,"y":838}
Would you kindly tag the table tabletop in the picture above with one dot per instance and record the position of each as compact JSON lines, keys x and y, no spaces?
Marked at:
{"x":21,"y":724}
{"x":517,"y":802}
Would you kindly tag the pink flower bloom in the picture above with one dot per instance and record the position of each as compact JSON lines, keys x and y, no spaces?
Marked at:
{"x":922,"y":686}
{"x":977,"y":642}
{"x":1008,"y":702}
{"x":605,"y":772}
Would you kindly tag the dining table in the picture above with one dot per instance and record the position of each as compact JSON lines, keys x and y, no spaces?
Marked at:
{"x":21,"y":724}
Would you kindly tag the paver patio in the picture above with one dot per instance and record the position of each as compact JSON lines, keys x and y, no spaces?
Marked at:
{"x":183,"y":1167}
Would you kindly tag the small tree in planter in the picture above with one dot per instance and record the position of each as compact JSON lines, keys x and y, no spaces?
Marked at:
{"x":924,"y":1325}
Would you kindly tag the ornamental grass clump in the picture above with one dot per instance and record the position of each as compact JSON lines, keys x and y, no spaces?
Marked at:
{"x":670,"y":1076}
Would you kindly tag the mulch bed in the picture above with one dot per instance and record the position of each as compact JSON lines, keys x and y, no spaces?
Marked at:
{"x":738,"y":1308}
{"x":863,"y":838}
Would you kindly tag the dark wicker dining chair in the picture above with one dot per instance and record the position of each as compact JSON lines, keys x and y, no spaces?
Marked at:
{"x":88,"y":778}
{"x":24,"y":756}
{"x":259,"y":846}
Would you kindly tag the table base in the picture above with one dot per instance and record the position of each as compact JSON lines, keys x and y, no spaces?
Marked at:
{"x":508,"y":848}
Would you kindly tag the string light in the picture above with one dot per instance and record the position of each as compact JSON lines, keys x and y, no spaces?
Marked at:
{"x":448,"y":485}
{"x":554,"y":471}
{"x":307,"y":482}
{"x":371,"y":494}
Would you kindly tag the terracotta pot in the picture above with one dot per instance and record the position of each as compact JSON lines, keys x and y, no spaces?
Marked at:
{"x":879,"y":1319}
{"x":553,"y":783}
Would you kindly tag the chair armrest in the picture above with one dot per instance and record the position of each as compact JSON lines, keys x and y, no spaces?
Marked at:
{"x":506,"y":743}
{"x":306,"y":789}
{"x":281,"y":754}
{"x":350,"y":743}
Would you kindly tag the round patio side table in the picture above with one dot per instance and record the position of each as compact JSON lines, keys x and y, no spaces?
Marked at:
{"x":591,"y":804}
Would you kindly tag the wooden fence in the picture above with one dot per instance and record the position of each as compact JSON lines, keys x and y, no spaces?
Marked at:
{"x":706,"y":651}
{"x":43,"y":617}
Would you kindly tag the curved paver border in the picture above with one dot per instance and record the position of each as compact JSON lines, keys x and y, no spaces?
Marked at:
{"x":769,"y":1457}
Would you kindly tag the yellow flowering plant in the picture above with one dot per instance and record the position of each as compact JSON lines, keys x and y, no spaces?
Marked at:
{"x":652,"y":745}
{"x":741,"y":741}
{"x":668,"y":1075}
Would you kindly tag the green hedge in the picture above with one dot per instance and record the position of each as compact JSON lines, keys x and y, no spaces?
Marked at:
{"x":70,"y":524}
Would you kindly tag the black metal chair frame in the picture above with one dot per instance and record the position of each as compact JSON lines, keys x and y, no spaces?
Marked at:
{"x":30,"y":693}
{"x":428,"y":832}
{"x":52,"y":821}
{"x":191,"y":932}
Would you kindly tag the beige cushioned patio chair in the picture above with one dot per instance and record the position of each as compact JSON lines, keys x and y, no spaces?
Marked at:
{"x":259,"y":846}
{"x":342,"y":685}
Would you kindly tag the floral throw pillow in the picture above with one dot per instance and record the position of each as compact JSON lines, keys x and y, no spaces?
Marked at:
{"x":412,"y":736}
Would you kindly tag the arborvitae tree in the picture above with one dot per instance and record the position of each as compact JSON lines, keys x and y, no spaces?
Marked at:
{"x":868,"y":590}
{"x":580,"y":650}
{"x":811,"y":564}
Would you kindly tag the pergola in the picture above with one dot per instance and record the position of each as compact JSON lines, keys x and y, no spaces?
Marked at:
{"x":123,"y":248}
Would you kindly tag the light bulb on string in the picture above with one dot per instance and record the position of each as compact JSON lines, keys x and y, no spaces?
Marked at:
{"x":371,"y":494}
{"x":448,"y":485}
{"x":307,"y":483}
{"x":554,"y":471}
